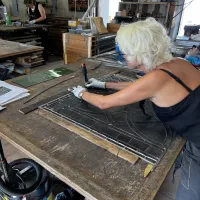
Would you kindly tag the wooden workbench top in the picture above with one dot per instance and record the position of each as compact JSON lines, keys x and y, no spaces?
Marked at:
{"x":9,"y":28}
{"x":89,"y":169}
{"x":9,"y":49}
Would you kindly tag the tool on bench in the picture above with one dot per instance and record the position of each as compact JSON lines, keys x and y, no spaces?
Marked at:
{"x":84,"y":70}
{"x":35,"y":106}
{"x":49,"y":88}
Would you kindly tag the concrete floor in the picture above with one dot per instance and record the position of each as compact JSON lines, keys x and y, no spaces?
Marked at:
{"x":167,"y":190}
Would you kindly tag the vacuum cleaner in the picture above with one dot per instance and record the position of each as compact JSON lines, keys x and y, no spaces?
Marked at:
{"x":23,"y":179}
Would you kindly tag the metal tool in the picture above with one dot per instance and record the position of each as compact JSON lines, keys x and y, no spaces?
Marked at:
{"x":35,"y":106}
{"x":84,"y":70}
{"x":44,"y":90}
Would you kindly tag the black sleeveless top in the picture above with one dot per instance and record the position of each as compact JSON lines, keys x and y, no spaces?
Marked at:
{"x":35,"y":14}
{"x":184,"y":117}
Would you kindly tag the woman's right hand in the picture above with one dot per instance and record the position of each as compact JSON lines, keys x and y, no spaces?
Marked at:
{"x":95,"y":83}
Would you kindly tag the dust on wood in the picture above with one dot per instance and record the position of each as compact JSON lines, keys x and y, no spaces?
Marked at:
{"x":9,"y":48}
{"x":89,"y":169}
{"x":122,"y":153}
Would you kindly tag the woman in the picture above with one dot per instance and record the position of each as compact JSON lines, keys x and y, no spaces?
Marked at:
{"x":172,"y":84}
{"x":37,"y":15}
{"x":36,"y":12}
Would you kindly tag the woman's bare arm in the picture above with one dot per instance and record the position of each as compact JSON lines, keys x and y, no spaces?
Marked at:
{"x":42,"y":13}
{"x":144,"y":88}
{"x":117,"y":86}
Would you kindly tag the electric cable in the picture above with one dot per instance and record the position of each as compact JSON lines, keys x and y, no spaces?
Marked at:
{"x":180,"y":4}
{"x":179,"y":12}
{"x":182,"y":9}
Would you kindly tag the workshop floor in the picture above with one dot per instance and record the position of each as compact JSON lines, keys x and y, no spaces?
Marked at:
{"x":167,"y":190}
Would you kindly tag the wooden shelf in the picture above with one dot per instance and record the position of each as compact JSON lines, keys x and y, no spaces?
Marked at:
{"x":153,"y":3}
{"x":153,"y":17}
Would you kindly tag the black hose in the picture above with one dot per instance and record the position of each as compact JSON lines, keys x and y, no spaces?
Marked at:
{"x":20,"y":192}
{"x":48,"y":192}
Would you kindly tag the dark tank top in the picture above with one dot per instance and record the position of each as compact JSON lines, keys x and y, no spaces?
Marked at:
{"x":184,"y":117}
{"x":35,"y":14}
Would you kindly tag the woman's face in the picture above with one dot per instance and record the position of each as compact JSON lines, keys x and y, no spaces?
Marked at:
{"x":30,"y":5}
{"x":134,"y":64}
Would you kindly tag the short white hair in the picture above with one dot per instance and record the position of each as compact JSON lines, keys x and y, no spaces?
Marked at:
{"x":146,"y":42}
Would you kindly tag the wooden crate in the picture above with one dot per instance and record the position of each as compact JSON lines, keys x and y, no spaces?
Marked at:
{"x":113,"y":28}
{"x":77,"y":47}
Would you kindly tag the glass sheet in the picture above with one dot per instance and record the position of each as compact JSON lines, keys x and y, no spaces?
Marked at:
{"x":126,"y":126}
{"x":36,"y":78}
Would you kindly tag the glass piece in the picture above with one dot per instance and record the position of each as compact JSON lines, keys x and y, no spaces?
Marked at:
{"x":36,"y":78}
{"x":125,"y":126}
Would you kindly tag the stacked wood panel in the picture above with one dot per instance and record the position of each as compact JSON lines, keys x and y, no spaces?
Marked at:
{"x":77,"y":47}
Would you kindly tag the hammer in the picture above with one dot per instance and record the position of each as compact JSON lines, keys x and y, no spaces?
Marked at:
{"x":84,"y":70}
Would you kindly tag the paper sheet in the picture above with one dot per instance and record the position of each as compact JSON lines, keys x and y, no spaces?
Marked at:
{"x":2,"y":108}
{"x":10,"y":93}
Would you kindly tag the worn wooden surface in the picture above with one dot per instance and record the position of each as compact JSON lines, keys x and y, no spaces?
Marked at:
{"x":89,"y":169}
{"x":19,"y":28}
{"x":9,"y":49}
{"x":120,"y":152}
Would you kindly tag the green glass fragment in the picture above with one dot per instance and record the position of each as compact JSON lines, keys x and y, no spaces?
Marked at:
{"x":36,"y":78}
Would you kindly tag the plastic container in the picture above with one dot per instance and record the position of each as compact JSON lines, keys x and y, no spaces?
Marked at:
{"x":8,"y":20}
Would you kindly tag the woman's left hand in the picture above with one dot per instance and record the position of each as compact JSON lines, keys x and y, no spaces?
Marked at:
{"x":78,"y":90}
{"x":32,"y":22}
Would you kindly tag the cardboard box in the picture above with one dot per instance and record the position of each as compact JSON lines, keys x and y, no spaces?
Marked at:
{"x":113,"y":28}
{"x":123,"y":13}
{"x":73,"y":23}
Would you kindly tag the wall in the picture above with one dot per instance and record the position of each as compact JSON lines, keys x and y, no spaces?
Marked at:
{"x":22,"y":8}
{"x":114,"y":7}
{"x":62,"y":8}
{"x":188,"y":17}
{"x":103,"y":10}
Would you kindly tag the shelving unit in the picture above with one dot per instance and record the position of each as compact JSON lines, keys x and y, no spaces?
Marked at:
{"x":162,"y":3}
{"x":158,"y":10}
{"x":78,"y":5}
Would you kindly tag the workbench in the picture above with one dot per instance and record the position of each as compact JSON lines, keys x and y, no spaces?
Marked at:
{"x":10,"y":49}
{"x":91,"y":170}
{"x":8,"y":28}
{"x":36,"y":34}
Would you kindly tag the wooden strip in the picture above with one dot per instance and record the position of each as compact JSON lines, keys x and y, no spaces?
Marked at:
{"x":80,"y":37}
{"x":69,"y":36}
{"x":35,"y":106}
{"x":77,"y":44}
{"x":89,"y":48}
{"x":74,"y":50}
{"x":9,"y":49}
{"x":27,"y":40}
{"x":65,"y":59}
{"x":118,"y":151}
{"x":77,"y":53}
{"x":64,"y":48}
